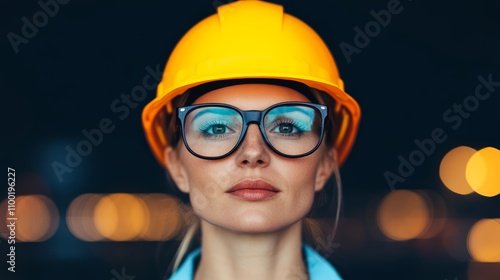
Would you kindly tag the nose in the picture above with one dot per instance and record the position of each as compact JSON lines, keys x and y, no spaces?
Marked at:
{"x":253,"y":151}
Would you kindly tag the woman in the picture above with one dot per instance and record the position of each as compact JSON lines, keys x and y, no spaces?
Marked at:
{"x":251,"y":121}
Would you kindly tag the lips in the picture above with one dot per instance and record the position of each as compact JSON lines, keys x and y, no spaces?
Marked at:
{"x":253,"y":190}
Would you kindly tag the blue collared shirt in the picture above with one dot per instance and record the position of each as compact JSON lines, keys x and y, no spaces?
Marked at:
{"x":318,"y":267}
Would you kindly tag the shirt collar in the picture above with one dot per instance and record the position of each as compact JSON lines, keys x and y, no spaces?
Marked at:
{"x":318,"y":267}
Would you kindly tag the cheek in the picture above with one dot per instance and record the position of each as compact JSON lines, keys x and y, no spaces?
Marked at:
{"x":203,"y":188}
{"x":303,"y":172}
{"x":207,"y":180}
{"x":301,"y":177}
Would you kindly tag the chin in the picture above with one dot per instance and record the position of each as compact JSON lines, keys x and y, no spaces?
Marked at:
{"x":254,"y":223}
{"x":255,"y":229}
{"x":258,"y":226}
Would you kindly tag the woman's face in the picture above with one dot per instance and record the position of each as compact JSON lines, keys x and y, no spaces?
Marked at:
{"x":252,"y":165}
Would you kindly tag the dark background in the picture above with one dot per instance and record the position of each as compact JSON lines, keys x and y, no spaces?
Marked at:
{"x":65,"y":78}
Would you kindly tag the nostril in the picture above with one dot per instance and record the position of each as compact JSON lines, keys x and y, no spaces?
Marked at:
{"x":257,"y":162}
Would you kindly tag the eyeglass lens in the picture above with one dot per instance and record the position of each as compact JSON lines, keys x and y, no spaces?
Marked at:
{"x":214,"y":130}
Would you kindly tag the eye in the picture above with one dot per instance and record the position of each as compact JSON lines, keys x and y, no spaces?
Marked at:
{"x":218,"y":129}
{"x":286,"y":127}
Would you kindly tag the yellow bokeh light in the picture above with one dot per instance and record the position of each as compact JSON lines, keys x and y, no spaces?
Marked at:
{"x":483,"y":172}
{"x":483,"y":241}
{"x":452,"y":170}
{"x":121,"y":217}
{"x":403,"y":215}
{"x":37,"y":218}
{"x":80,"y":217}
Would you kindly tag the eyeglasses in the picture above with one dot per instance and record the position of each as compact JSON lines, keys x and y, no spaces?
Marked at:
{"x":291,"y":129}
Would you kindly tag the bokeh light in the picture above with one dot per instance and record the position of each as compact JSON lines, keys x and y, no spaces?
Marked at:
{"x":452,"y":170}
{"x":437,"y":214}
{"x":127,"y":217}
{"x":80,"y":217}
{"x":165,"y":217}
{"x":403,"y":215}
{"x":483,"y":172}
{"x":37,"y":218}
{"x":483,"y":241}
{"x":121,"y":216}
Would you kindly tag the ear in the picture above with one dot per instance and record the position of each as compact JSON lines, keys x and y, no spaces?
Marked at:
{"x":325,"y":168}
{"x":176,"y":169}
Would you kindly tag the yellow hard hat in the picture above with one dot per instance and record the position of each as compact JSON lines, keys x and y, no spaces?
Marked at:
{"x":251,"y":39}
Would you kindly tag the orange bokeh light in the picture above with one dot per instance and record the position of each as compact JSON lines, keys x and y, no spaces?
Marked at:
{"x":452,"y":170}
{"x":124,"y":217}
{"x":483,"y":241}
{"x":37,"y":218}
{"x":80,"y":217}
{"x":121,"y":217}
{"x":403,"y":215}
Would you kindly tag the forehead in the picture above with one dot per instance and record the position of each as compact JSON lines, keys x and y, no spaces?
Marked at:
{"x":251,"y":96}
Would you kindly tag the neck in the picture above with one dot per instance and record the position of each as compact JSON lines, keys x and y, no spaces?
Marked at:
{"x":265,"y":256}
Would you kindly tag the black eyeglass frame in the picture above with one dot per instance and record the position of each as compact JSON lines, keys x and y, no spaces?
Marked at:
{"x":252,"y":117}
